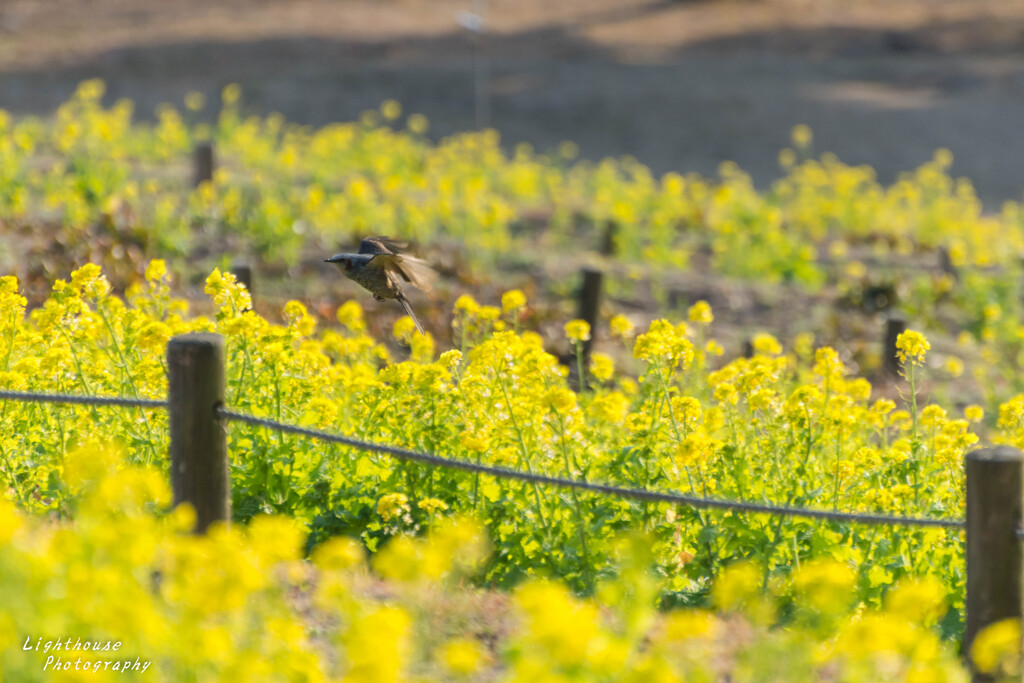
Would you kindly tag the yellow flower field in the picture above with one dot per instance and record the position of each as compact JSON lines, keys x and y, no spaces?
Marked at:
{"x":90,"y":550}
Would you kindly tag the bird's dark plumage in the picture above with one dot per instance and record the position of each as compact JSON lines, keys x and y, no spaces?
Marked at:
{"x":380,"y":266}
{"x":382,"y":245}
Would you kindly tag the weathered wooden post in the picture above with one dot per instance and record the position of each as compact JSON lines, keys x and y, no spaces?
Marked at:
{"x":946,"y":264}
{"x":203,"y":160}
{"x":590,"y":304}
{"x":894,"y":327}
{"x":199,"y":454}
{"x":608,"y":237}
{"x":994,"y":500}
{"x":243,"y":273}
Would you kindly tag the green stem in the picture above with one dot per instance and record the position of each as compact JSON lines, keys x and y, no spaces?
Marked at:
{"x":525,"y":454}
{"x":128,"y":378}
{"x":579,"y":366}
{"x":587,"y":576}
{"x":914,"y":446}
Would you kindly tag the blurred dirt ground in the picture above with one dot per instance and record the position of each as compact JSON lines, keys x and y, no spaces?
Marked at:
{"x":679,"y":84}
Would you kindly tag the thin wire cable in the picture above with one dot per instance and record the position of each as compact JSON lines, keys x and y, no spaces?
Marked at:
{"x":32,"y":397}
{"x":607,"y":489}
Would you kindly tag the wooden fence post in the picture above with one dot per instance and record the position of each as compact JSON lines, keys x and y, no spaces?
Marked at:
{"x":203,"y":159}
{"x":199,"y":454}
{"x":590,"y":304}
{"x":608,"y":237}
{"x":894,"y":327}
{"x":994,"y":499}
{"x":243,"y":273}
{"x":946,"y":264}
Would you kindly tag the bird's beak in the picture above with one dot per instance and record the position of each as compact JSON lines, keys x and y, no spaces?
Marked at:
{"x":333,"y":259}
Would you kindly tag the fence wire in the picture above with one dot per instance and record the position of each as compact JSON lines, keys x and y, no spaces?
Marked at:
{"x":31,"y":397}
{"x":606,"y":489}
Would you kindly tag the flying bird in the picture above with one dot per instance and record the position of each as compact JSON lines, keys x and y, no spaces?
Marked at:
{"x":381,"y":267}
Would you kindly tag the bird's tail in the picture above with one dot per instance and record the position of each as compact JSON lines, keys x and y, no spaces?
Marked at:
{"x":408,"y":309}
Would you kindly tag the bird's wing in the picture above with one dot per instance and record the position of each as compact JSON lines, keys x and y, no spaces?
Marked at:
{"x":381,"y":245}
{"x":411,"y":269}
{"x":416,"y":272}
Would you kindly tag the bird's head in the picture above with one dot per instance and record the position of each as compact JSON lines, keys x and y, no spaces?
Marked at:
{"x":343,"y":261}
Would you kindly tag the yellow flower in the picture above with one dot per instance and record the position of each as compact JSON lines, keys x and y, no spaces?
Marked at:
{"x":766,"y":344}
{"x":610,"y":408}
{"x":557,"y":624}
{"x":996,"y":649}
{"x":418,"y":124}
{"x":883,"y":406}
{"x":912,"y":346}
{"x":992,"y":312}
{"x":953,"y":366}
{"x":154,"y":336}
{"x":450,"y":359}
{"x":701,"y":313}
{"x":512,"y":300}
{"x":801,"y":135}
{"x":1011,"y":412}
{"x":601,"y":366}
{"x":560,"y":399}
{"x":686,"y":408}
{"x":391,"y":109}
{"x":725,"y":394}
{"x":713,"y":348}
{"x":974,"y":413}
{"x":462,"y":656}
{"x":762,"y":399}
{"x":350,"y":314}
{"x":155,"y":270}
{"x":621,"y":326}
{"x":432,"y":505}
{"x":686,"y":624}
{"x":298,"y":318}
{"x":91,"y":89}
{"x":827,"y":364}
{"x":825,"y":585}
{"x":89,"y":282}
{"x":478,"y":443}
{"x":787,"y":158}
{"x":736,"y":585}
{"x":577,"y":330}
{"x":194,"y":100}
{"x":919,"y":601}
{"x":932,"y":415}
{"x":466,"y":304}
{"x":392,"y":506}
{"x":231,"y":94}
{"x":694,"y":449}
{"x":377,"y":645}
{"x":663,"y":342}
{"x":803,"y":344}
{"x":403,"y":328}
{"x":338,"y":553}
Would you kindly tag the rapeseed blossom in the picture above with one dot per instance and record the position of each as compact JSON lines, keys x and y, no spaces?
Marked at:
{"x":501,"y":400}
{"x":577,"y":330}
{"x":912,"y":346}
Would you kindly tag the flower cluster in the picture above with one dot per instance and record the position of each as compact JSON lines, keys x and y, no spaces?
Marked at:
{"x":126,"y":572}
{"x":776,"y":426}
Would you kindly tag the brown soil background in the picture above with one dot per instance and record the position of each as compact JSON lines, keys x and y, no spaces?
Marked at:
{"x":679,"y":84}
